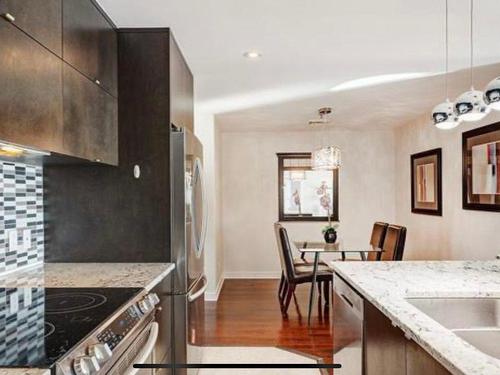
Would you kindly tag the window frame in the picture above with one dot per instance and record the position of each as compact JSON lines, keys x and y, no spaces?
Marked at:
{"x":282,"y":169}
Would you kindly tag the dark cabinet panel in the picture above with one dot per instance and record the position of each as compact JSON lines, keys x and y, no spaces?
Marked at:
{"x":90,"y":43}
{"x":419,"y":362}
{"x":384,"y":345}
{"x":181,"y":89}
{"x":42,"y":20}
{"x":30,"y":93}
{"x":90,"y":119}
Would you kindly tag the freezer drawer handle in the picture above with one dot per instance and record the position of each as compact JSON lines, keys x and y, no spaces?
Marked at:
{"x":194,"y":296}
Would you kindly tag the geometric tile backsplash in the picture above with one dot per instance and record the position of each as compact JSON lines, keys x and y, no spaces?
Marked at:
{"x":21,"y":214}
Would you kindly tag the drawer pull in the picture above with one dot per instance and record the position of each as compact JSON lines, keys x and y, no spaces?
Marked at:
{"x":9,"y":17}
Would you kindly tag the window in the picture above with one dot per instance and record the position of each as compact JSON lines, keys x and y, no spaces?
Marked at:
{"x":306,"y":194}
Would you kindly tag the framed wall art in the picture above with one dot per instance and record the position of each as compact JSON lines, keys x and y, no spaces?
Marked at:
{"x":480,"y":164}
{"x":426,"y":185}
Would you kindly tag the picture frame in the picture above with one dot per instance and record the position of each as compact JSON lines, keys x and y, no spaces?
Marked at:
{"x":426,"y":183}
{"x":480,"y":168}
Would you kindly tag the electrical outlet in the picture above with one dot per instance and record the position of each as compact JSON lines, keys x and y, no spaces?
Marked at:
{"x":27,"y":297}
{"x":27,"y":239}
{"x":14,"y":303}
{"x":12,"y":240}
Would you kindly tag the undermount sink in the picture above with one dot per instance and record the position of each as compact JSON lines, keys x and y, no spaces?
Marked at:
{"x":475,"y":320}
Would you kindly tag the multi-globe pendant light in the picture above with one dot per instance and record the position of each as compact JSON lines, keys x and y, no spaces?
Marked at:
{"x":325,"y":157}
{"x":472,"y":105}
{"x":443,"y":114}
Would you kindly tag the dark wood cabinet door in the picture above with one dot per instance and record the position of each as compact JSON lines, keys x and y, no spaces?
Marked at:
{"x":181,"y":89}
{"x":41,"y":19}
{"x":90,"y":43}
{"x":384,"y":344}
{"x":90,"y":119}
{"x":30,"y":93}
{"x":419,"y":362}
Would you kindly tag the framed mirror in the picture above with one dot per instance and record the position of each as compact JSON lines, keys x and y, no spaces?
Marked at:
{"x":481,"y":161}
{"x":426,"y":185}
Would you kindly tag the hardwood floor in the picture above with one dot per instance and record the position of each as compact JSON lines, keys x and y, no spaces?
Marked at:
{"x":248,"y":314}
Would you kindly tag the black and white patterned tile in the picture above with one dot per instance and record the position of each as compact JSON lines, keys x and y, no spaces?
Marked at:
{"x":21,"y":209}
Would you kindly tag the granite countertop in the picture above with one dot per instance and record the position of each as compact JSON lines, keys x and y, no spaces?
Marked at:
{"x":24,"y":371}
{"x":89,"y":275}
{"x":387,"y":285}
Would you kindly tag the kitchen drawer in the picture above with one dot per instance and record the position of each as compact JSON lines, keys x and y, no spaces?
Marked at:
{"x":42,"y":20}
{"x":30,"y":95}
{"x":90,"y":43}
{"x":90,"y":119}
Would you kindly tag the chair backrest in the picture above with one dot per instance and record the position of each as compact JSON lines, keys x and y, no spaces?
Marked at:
{"x":377,"y":239}
{"x":285,"y":251}
{"x":394,"y":243}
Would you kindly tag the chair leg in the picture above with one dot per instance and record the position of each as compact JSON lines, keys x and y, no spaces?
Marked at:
{"x":282,"y":284}
{"x":291,"y":290}
{"x":326,"y":292}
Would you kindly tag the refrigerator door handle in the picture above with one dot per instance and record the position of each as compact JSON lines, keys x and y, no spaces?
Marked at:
{"x":205,"y":207}
{"x":191,"y":297}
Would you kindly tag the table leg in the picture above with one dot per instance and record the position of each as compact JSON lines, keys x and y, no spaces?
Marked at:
{"x":363,"y":255}
{"x":313,"y":287}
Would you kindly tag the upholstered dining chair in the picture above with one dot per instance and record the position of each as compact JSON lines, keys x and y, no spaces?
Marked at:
{"x":376,"y":241}
{"x":293,"y":275}
{"x":394,"y":243}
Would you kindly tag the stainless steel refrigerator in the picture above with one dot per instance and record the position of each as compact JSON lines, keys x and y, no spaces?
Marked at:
{"x":188,"y":234}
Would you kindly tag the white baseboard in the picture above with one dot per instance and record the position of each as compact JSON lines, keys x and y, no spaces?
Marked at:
{"x":252,"y":275}
{"x":214,"y":296}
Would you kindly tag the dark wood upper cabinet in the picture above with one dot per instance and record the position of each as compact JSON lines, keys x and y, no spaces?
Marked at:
{"x":90,"y":43}
{"x":42,"y":20}
{"x":181,"y":89}
{"x":30,"y":94}
{"x":90,"y":119}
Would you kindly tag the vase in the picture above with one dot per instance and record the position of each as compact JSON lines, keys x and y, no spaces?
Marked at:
{"x":330,"y":235}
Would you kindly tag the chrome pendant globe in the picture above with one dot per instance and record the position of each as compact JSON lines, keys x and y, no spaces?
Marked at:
{"x":326,"y":158}
{"x":470,"y":106}
{"x":492,"y":94}
{"x":444,"y":116}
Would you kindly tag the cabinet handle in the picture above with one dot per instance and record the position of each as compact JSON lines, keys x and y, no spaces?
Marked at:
{"x":9,"y":17}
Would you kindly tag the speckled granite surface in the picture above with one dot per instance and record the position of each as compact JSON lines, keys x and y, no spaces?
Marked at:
{"x":387,"y":285}
{"x":89,"y":275}
{"x":24,"y":372}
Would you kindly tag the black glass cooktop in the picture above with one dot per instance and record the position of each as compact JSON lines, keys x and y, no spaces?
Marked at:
{"x":39,"y":325}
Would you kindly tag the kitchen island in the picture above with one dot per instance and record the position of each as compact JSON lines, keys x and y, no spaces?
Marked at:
{"x":387,"y":285}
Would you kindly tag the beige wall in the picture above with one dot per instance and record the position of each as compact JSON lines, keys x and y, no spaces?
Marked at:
{"x":249,"y":193}
{"x":458,"y":234}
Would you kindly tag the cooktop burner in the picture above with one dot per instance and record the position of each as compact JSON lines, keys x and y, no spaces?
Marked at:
{"x":39,"y":325}
{"x":73,"y":302}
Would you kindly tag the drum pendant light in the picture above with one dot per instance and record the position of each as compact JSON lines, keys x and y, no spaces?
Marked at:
{"x":443,"y":114}
{"x":324,"y":157}
{"x":470,"y":106}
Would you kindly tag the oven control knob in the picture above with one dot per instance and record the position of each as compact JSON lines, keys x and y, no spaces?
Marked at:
{"x":101,"y":352}
{"x":86,"y":365}
{"x":153,"y":298}
{"x":145,"y":305}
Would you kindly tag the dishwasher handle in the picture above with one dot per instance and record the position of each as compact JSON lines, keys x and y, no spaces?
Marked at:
{"x":348,"y":296}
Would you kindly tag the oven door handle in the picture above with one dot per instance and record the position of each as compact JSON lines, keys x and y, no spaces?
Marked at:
{"x":194,"y":296}
{"x":146,"y":350}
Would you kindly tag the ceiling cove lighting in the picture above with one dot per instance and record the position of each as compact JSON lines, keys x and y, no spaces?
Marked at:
{"x":10,"y":150}
{"x":378,"y":80}
{"x":324,"y":157}
{"x":252,"y":55}
{"x":443,"y":114}
{"x":470,"y":106}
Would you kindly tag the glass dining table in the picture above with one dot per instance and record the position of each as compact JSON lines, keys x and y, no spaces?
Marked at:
{"x":318,"y":248}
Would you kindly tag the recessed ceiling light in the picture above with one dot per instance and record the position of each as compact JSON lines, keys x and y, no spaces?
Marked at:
{"x":252,"y":55}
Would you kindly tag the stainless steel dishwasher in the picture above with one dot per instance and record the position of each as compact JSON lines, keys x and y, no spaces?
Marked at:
{"x":347,"y":328}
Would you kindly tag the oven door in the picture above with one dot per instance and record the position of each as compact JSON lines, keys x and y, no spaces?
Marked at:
{"x":140,"y":351}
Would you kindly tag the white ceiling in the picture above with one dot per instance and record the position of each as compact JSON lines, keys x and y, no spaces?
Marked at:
{"x":311,"y":46}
